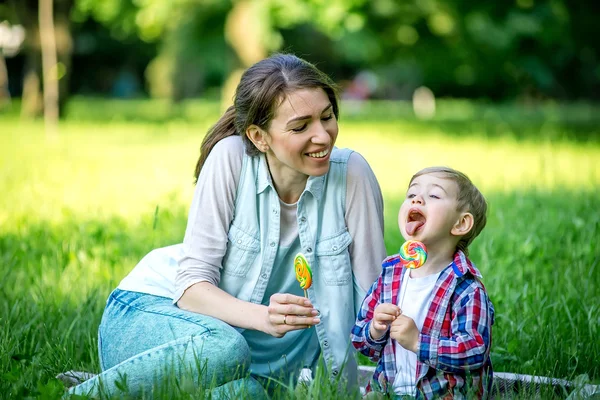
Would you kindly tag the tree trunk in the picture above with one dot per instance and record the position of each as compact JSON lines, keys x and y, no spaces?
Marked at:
{"x":4,"y":93}
{"x":244,"y":35}
{"x":31,"y":103}
{"x":49,"y":66}
{"x":64,"y":49}
{"x":31,"y":99}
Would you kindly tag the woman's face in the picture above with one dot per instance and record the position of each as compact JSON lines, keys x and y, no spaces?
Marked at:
{"x":301,"y":136}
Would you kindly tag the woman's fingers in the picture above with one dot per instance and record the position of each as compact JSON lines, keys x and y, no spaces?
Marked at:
{"x":300,"y":321}
{"x":288,"y":304}
{"x":286,"y":298}
{"x":288,"y":312}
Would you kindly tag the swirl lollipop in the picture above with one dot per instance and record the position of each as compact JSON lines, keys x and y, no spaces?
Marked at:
{"x":413,"y":254}
{"x":303,"y":272}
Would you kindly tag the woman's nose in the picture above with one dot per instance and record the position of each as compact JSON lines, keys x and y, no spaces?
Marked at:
{"x":320,"y":136}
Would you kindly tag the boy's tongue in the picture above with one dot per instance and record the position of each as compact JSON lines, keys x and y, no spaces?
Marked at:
{"x":412,"y":226}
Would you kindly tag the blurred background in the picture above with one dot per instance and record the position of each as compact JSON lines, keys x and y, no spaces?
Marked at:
{"x":520,"y":50}
{"x":104,"y":103}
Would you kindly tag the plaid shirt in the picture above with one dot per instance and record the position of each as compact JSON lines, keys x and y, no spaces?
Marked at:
{"x":454,"y":343}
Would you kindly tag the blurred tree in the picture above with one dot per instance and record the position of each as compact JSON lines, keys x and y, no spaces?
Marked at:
{"x":26,"y":12}
{"x":191,"y":34}
{"x":463,"y":48}
{"x":49,"y":66}
{"x":524,"y":48}
{"x":253,"y":41}
{"x":4,"y":93}
{"x":11,"y":39}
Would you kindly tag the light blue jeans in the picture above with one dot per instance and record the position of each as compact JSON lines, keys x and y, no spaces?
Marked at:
{"x":144,"y":340}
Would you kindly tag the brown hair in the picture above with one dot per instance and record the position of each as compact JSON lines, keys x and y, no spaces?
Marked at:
{"x":469,"y":200}
{"x":261,"y":90}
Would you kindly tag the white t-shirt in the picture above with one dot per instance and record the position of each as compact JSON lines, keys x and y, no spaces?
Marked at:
{"x":414,"y":301}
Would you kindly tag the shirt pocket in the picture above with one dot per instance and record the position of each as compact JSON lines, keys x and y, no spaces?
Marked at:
{"x":334,"y":259}
{"x":242,"y":250}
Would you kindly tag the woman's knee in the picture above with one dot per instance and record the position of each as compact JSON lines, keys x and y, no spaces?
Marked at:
{"x":224,"y":350}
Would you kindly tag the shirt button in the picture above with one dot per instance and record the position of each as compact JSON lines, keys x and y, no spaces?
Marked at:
{"x":273,"y":244}
{"x":239,"y":241}
{"x":303,"y":219}
{"x":334,"y":248}
{"x":309,"y":249}
{"x":275,"y":211}
{"x":334,"y":372}
{"x":325,"y":343}
{"x":264,"y":276}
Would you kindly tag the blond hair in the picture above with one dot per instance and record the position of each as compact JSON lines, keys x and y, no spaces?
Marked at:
{"x":469,"y":200}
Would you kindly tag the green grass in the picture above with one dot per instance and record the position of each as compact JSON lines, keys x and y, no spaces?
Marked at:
{"x":77,"y":214}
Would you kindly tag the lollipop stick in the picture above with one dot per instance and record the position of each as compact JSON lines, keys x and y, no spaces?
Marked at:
{"x":305,"y":294}
{"x":403,"y":293}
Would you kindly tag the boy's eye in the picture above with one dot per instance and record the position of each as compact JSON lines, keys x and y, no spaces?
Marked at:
{"x":433,"y":196}
{"x":300,"y":128}
{"x":410,"y":196}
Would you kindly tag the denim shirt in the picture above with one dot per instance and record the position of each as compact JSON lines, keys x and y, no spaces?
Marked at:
{"x":253,"y":241}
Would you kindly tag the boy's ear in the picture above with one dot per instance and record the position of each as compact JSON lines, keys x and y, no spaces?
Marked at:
{"x":463,"y":225}
{"x":257,"y":136}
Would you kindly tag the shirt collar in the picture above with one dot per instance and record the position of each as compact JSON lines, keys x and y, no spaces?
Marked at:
{"x":461,"y":265}
{"x":314,"y":185}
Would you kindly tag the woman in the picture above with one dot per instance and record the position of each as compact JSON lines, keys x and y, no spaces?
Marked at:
{"x":270,"y":184}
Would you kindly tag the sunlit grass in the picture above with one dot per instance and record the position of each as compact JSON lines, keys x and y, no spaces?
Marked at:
{"x":77,"y":214}
{"x":501,"y":164}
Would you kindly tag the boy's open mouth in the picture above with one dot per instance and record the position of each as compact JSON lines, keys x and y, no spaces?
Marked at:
{"x":414,"y":221}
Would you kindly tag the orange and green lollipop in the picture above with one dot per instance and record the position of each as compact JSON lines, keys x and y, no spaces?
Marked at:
{"x":303,"y":272}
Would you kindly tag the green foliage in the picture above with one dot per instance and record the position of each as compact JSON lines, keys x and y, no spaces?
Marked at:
{"x":542,"y":49}
{"x":76,"y":215}
{"x":120,"y":16}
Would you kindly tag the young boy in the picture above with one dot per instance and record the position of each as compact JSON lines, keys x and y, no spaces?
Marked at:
{"x":430,"y":328}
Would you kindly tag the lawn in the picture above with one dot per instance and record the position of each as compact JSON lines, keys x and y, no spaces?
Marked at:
{"x":77,"y":213}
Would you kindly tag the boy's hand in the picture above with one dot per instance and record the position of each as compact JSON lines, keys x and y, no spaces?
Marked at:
{"x":405,"y":332}
{"x":383,"y":315}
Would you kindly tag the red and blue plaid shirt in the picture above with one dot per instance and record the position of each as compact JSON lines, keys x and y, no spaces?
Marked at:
{"x":454,"y":344}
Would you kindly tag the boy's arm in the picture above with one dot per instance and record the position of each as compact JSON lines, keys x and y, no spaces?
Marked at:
{"x":468,"y":347}
{"x":361,"y":339}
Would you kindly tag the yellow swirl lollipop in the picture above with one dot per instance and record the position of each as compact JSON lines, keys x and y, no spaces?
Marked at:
{"x":303,"y":272}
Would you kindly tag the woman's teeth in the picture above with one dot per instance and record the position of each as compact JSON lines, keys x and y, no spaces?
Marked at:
{"x":320,"y":154}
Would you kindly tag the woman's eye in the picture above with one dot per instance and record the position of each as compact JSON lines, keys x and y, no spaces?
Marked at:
{"x":300,"y":128}
{"x":327,"y":118}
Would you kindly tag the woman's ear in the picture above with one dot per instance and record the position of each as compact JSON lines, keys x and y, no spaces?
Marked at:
{"x":463,"y":225}
{"x":257,"y":136}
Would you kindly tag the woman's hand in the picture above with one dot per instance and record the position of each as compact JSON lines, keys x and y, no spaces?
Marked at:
{"x":287,"y":312}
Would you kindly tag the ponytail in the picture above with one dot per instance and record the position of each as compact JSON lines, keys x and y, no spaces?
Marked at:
{"x":224,"y":127}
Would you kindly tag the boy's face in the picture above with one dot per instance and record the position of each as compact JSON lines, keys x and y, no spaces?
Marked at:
{"x":429,"y":212}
